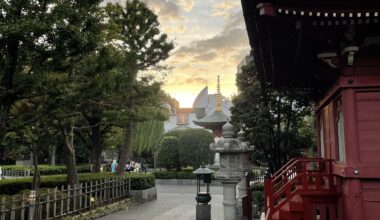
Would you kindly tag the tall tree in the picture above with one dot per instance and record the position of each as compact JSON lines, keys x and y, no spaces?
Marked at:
{"x":39,"y":38}
{"x":40,"y":35}
{"x":135,"y":30}
{"x":274,"y":119}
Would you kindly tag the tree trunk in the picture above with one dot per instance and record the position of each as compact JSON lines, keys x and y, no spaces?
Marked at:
{"x":52,"y":156}
{"x":96,"y":144}
{"x":36,"y":175}
{"x":67,"y":132}
{"x":128,"y":140}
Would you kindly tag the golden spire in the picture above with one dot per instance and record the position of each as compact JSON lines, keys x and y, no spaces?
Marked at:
{"x":218,"y":97}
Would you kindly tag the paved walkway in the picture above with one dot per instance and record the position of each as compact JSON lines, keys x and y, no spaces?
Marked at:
{"x":174,"y":202}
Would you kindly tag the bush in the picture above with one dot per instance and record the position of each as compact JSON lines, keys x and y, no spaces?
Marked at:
{"x":139,"y":181}
{"x":257,"y":187}
{"x":189,"y":147}
{"x":258,"y":199}
{"x":194,"y":147}
{"x":258,"y":195}
{"x":168,"y":154}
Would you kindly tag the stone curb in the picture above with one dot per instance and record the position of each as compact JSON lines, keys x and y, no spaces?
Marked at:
{"x":183,"y":182}
{"x":141,"y":196}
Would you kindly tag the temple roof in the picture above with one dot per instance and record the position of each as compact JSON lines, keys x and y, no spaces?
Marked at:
{"x":215,"y":118}
{"x":303,"y":43}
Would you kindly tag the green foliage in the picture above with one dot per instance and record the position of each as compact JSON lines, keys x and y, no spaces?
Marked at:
{"x":147,"y":135}
{"x":168,"y":153}
{"x":275,"y":120}
{"x":194,"y":147}
{"x":41,"y":43}
{"x":12,"y":186}
{"x":184,"y":148}
{"x":258,"y":199}
{"x":257,"y":187}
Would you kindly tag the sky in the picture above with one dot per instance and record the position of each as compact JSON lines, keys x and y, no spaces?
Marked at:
{"x":210,"y":40}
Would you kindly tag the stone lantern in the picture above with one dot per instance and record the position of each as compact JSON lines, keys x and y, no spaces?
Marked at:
{"x":234,"y":163}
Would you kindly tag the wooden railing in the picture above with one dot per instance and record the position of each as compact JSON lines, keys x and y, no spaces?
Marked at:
{"x":302,"y":175}
{"x":59,"y":202}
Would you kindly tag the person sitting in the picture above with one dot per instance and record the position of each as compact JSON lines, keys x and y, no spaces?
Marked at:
{"x":128,"y":167}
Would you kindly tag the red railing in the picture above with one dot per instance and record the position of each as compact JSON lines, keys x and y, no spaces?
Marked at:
{"x":302,"y":175}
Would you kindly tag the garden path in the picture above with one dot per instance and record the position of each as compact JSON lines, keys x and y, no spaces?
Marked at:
{"x":174,"y":202}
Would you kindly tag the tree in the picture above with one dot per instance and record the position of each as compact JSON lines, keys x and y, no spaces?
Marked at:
{"x":134,"y":29}
{"x":194,"y":147}
{"x":37,"y":37}
{"x":272,"y":118}
{"x":168,"y":153}
{"x":36,"y":136}
{"x":40,"y":40}
{"x":147,"y":136}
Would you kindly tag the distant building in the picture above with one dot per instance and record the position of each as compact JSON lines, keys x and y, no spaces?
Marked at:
{"x":203,"y":105}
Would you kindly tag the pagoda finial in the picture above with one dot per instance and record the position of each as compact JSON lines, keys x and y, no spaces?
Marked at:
{"x":218,"y":97}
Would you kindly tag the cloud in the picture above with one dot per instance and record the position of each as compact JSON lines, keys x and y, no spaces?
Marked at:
{"x":166,"y":9}
{"x":186,"y":5}
{"x":222,"y":8}
{"x":226,"y":40}
{"x":206,"y":56}
{"x":171,"y":29}
{"x":196,"y":81}
{"x":188,"y":80}
{"x":234,"y":20}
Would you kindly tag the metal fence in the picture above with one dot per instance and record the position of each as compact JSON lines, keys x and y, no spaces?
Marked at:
{"x":56,"y":203}
{"x":258,"y":174}
{"x":13,"y":174}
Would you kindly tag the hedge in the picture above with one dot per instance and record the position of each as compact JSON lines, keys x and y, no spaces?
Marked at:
{"x":48,"y":169}
{"x":139,"y":181}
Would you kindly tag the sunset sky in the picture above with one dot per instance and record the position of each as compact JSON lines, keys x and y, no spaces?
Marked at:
{"x":210,"y":39}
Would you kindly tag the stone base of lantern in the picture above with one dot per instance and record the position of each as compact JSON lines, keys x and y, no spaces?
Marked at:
{"x":242,"y":192}
{"x":203,"y":212}
{"x":229,"y":200}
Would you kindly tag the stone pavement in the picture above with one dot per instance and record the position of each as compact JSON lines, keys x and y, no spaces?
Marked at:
{"x":174,"y":202}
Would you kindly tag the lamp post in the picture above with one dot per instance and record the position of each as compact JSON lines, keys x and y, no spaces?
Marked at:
{"x":203,"y":209}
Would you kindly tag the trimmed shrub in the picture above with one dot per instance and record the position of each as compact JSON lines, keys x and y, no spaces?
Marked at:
{"x":194,"y":147}
{"x":189,"y":147}
{"x":168,"y":154}
{"x":139,"y":181}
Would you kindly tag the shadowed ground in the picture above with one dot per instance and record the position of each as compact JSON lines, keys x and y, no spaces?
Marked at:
{"x":174,"y":202}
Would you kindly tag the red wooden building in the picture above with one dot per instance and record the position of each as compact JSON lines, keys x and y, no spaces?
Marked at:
{"x":330,"y":48}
